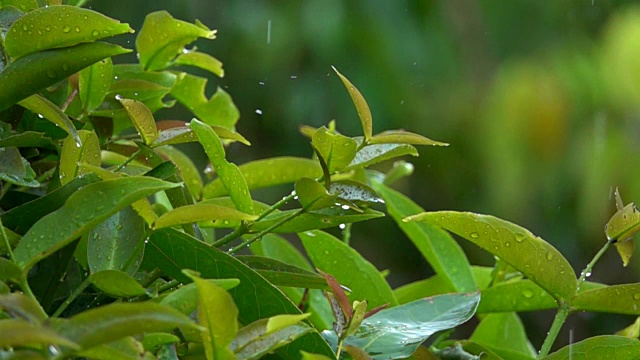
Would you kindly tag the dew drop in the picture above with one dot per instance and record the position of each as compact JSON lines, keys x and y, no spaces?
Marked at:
{"x":66,"y":29}
{"x":309,"y":233}
{"x":342,"y":226}
{"x":47,"y":28}
{"x":507,"y":244}
{"x":549,"y":256}
{"x":636,"y":296}
{"x":520,"y":237}
{"x":24,"y":27}
{"x":474,"y":235}
{"x":95,"y":33}
{"x":77,"y":29}
{"x":527,"y":293}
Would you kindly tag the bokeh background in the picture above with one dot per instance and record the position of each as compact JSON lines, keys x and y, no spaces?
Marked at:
{"x":539,"y":100}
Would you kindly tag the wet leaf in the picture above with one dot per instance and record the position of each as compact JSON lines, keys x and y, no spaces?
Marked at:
{"x":269,"y":172}
{"x":142,"y":119}
{"x":94,"y":82}
{"x":361,"y":106}
{"x":15,"y":169}
{"x":281,"y":274}
{"x":48,"y":110}
{"x":219,"y":110}
{"x":599,"y":347}
{"x":623,"y":224}
{"x":185,"y":298}
{"x":201,"y":211}
{"x":83,"y":210}
{"x":219,"y":315}
{"x":10,"y":271}
{"x":201,"y":60}
{"x":23,"y":5}
{"x":13,"y":239}
{"x":162,"y":38}
{"x":41,"y":29}
{"x":397,"y":332}
{"x":615,"y":299}
{"x":625,"y":250}
{"x":229,"y":173}
{"x":403,"y":137}
{"x":116,"y":243}
{"x":72,"y":155}
{"x":166,"y":79}
{"x":16,"y":333}
{"x":441,"y":251}
{"x":264,"y":336}
{"x":23,"y":307}
{"x":116,"y":283}
{"x":515,"y":245}
{"x":188,"y":171}
{"x":503,"y":333}
{"x":336,"y":150}
{"x":312,"y":195}
{"x":372,"y":154}
{"x":184,"y":134}
{"x":137,"y":89}
{"x":317,"y":219}
{"x":354,"y":191}
{"x":350,"y":269}
{"x":36,"y":71}
{"x":29,"y":139}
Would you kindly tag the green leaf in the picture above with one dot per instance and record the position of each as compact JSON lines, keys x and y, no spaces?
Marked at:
{"x":72,"y":155}
{"x":599,"y":347}
{"x":162,"y":38}
{"x":16,"y":333}
{"x":218,"y":110}
{"x":15,"y":169}
{"x":184,"y":134}
{"x":116,"y":283}
{"x":37,"y":71}
{"x":166,"y":79}
{"x":229,"y":173}
{"x":372,"y":154}
{"x":336,"y":150}
{"x":113,"y":243}
{"x":623,"y":224}
{"x":94,"y":82}
{"x":29,"y":139}
{"x":317,"y":219}
{"x":10,"y":271}
{"x":403,"y":137}
{"x":434,"y":285}
{"x":632,"y":331}
{"x":465,"y":350}
{"x":127,"y":348}
{"x":23,"y":5}
{"x":171,"y":251}
{"x":310,"y":356}
{"x":201,"y":60}
{"x":115,"y":321}
{"x":281,"y":274}
{"x":442,"y":252}
{"x":13,"y":239}
{"x":625,"y":249}
{"x":354,"y":191}
{"x":201,"y":211}
{"x":269,"y":172}
{"x":48,"y":110}
{"x":185,"y":298}
{"x":188,"y":171}
{"x":616,"y":299}
{"x":21,"y":218}
{"x":397,"y":332}
{"x":142,"y":119}
{"x":265,"y":335}
{"x":350,"y":269}
{"x":515,"y":245}
{"x":361,"y":106}
{"x":219,"y":315}
{"x":503,"y":331}
{"x":152,"y":341}
{"x":23,"y":307}
{"x":312,"y":195}
{"x":83,"y":210}
{"x":43,"y":29}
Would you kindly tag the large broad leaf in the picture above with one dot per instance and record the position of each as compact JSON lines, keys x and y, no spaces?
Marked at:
{"x":397,"y":332}
{"x":527,"y":253}
{"x":116,"y":283}
{"x":15,"y":169}
{"x":16,"y":333}
{"x":171,"y":251}
{"x":94,"y":83}
{"x":438,"y":248}
{"x":361,"y":106}
{"x":336,"y":150}
{"x":318,"y":219}
{"x":36,"y":71}
{"x":162,"y":38}
{"x":264,"y":336}
{"x":503,"y":333}
{"x":201,"y":211}
{"x":48,"y":110}
{"x":617,"y":299}
{"x":334,"y":257}
{"x":83,"y":210}
{"x":599,"y":347}
{"x":71,"y":155}
{"x":269,"y":172}
{"x":58,"y":26}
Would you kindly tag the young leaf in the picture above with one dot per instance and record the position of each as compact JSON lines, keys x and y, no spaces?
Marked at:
{"x":503,"y":333}
{"x":269,"y":172}
{"x":36,"y":71}
{"x":623,"y":224}
{"x":403,"y":137}
{"x":599,"y":347}
{"x":350,"y":269}
{"x":265,"y":335}
{"x":361,"y":106}
{"x":72,"y":155}
{"x":142,"y":119}
{"x":336,"y":150}
{"x":48,"y":110}
{"x":94,"y":82}
{"x":201,"y":60}
{"x":219,"y":315}
{"x":201,"y":211}
{"x":41,"y":29}
{"x":616,"y":299}
{"x":83,"y":210}
{"x":188,"y":171}
{"x":162,"y":38}
{"x":372,"y":154}
{"x":515,"y":245}
{"x":116,"y":283}
{"x":15,"y":169}
{"x":17,"y":333}
{"x":438,"y":248}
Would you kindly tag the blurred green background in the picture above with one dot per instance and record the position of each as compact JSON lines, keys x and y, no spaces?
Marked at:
{"x":539,"y":100}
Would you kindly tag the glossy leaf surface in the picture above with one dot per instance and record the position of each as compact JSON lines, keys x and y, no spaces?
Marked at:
{"x":282,"y":274}
{"x":616,"y":299}
{"x":185,"y":298}
{"x":94,"y":82}
{"x":72,"y":155}
{"x":318,"y":219}
{"x":59,"y":26}
{"x":354,"y":191}
{"x":503,"y":333}
{"x":532,"y":256}
{"x":83,"y":210}
{"x":142,"y":119}
{"x":116,"y":283}
{"x":188,"y":171}
{"x":48,"y":110}
{"x":599,"y":347}
{"x":361,"y":106}
{"x":15,"y":169}
{"x":373,"y":154}
{"x":334,"y":257}
{"x":201,"y":60}
{"x":261,"y":337}
{"x":441,"y":251}
{"x":403,"y":137}
{"x":201,"y":211}
{"x":312,"y":195}
{"x":183,"y":134}
{"x":336,"y":150}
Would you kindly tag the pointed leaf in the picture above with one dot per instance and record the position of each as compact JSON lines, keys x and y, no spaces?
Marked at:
{"x":269,"y":172}
{"x":162,"y":38}
{"x":350,"y":269}
{"x":281,"y":274}
{"x":354,"y":191}
{"x":599,"y":347}
{"x":42,"y":29}
{"x":135,"y":72}
{"x":188,"y":171}
{"x":318,"y":219}
{"x":185,"y":298}
{"x":137,"y":89}
{"x":29,"y":139}
{"x":372,"y":154}
{"x":142,"y":119}
{"x":72,"y":155}
{"x":116,"y":283}
{"x":36,"y":71}
{"x":48,"y":110}
{"x":503,"y":331}
{"x":312,"y":195}
{"x":127,"y":348}
{"x":623,"y":224}
{"x":201,"y":60}
{"x":94,"y":82}
{"x":515,"y":245}
{"x":616,"y":299}
{"x":254,"y":341}
{"x":336,"y":150}
{"x":359,"y":310}
{"x":442,"y":252}
{"x":625,"y":250}
{"x":200,"y":212}
{"x":403,"y":137}
{"x":361,"y":106}
{"x":632,"y":331}
{"x":184,"y":134}
{"x":83,"y":210}
{"x":16,"y":333}
{"x":15,"y":169}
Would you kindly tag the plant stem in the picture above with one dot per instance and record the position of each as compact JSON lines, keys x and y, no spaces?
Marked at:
{"x":5,"y":239}
{"x":267,"y":230}
{"x":83,"y":285}
{"x":130,"y":159}
{"x":346,"y":233}
{"x":587,"y":270}
{"x":24,"y":285}
{"x":561,"y":316}
{"x":169,"y":285}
